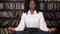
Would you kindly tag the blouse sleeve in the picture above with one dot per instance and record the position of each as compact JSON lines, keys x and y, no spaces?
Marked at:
{"x":21,"y":25}
{"x":43,"y":25}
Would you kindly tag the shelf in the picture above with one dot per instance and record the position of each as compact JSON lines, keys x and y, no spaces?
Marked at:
{"x":10,"y":10}
{"x":23,"y":10}
{"x":6,"y":26}
{"x":11,"y":1}
{"x":52,"y":1}
{"x":51,"y":10}
{"x":41,"y":1}
{"x":52,"y":19}
{"x":9,"y":18}
{"x":54,"y":27}
{"x":16,"y":1}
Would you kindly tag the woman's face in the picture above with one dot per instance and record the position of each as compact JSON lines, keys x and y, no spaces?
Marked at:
{"x":32,"y":5}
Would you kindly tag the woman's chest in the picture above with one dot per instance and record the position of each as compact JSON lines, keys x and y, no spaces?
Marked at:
{"x":32,"y":18}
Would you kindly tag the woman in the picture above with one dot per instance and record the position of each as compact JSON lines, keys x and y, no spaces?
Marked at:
{"x":32,"y":21}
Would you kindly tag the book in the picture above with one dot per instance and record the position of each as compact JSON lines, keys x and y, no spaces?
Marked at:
{"x":6,"y":31}
{"x":20,"y":0}
{"x":55,"y":6}
{"x":17,"y":22}
{"x":20,"y":13}
{"x":12,"y":23}
{"x":58,"y":6}
{"x":13,"y":5}
{"x":54,"y":24}
{"x":57,"y":14}
{"x":40,"y":0}
{"x":5,"y":22}
{"x":1,"y":14}
{"x":7,"y":14}
{"x":48,"y":23}
{"x":58,"y":0}
{"x":1,"y":22}
{"x":50,"y":6}
{"x":9,"y":23}
{"x":1,"y":5}
{"x":22,"y":5}
{"x":51,"y":0}
{"x":46,"y":0}
{"x":9,"y":5}
{"x":2,"y":32}
{"x":52,"y":15}
{"x":47,"y":15}
{"x":18,"y":6}
{"x":41,"y":6}
{"x":6,"y":5}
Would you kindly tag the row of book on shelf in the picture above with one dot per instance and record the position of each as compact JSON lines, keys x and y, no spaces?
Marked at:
{"x":52,"y":15}
{"x":53,"y":23}
{"x":9,"y":14}
{"x":5,"y":31}
{"x":19,"y":13}
{"x":12,"y":5}
{"x":53,"y":6}
{"x":17,"y":6}
{"x":12,"y":0}
{"x":7,"y":23}
{"x":52,"y":0}
{"x":25,"y":0}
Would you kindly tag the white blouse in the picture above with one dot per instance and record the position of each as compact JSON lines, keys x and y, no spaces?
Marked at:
{"x":29,"y":20}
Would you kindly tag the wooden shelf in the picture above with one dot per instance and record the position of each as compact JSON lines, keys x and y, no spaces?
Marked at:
{"x":54,"y":27}
{"x":11,"y":1}
{"x":6,"y":26}
{"x":51,"y":10}
{"x":52,"y":1}
{"x":23,"y":10}
{"x":52,"y":19}
{"x":16,"y":1}
{"x":9,"y":18}
{"x":10,"y":10}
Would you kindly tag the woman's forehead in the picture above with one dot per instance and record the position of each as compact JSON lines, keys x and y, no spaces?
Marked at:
{"x":32,"y":1}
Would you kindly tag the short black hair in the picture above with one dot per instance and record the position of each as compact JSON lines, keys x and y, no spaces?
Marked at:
{"x":26,"y":7}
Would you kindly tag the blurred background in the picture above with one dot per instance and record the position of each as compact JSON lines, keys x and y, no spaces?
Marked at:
{"x":11,"y":11}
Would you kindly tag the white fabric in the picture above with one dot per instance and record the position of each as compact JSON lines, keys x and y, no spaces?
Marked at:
{"x":29,"y":20}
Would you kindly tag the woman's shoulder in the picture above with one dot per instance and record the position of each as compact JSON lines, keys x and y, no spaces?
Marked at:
{"x":23,"y":14}
{"x":40,"y":12}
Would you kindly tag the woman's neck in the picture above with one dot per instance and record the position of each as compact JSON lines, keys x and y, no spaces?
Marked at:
{"x":31,"y":11}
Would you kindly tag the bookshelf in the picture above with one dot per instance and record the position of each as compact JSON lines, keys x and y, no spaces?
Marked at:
{"x":10,"y":13}
{"x":52,"y":14}
{"x":50,"y":9}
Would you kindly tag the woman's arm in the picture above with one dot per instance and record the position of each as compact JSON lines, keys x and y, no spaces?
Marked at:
{"x":43,"y":25}
{"x":21,"y":25}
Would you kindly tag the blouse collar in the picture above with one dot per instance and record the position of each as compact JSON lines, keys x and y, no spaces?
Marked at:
{"x":30,"y":12}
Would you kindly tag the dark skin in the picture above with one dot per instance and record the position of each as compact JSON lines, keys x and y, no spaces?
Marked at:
{"x":32,"y":6}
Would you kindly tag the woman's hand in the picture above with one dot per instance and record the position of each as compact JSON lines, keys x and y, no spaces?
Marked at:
{"x":11,"y":28}
{"x":52,"y":30}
